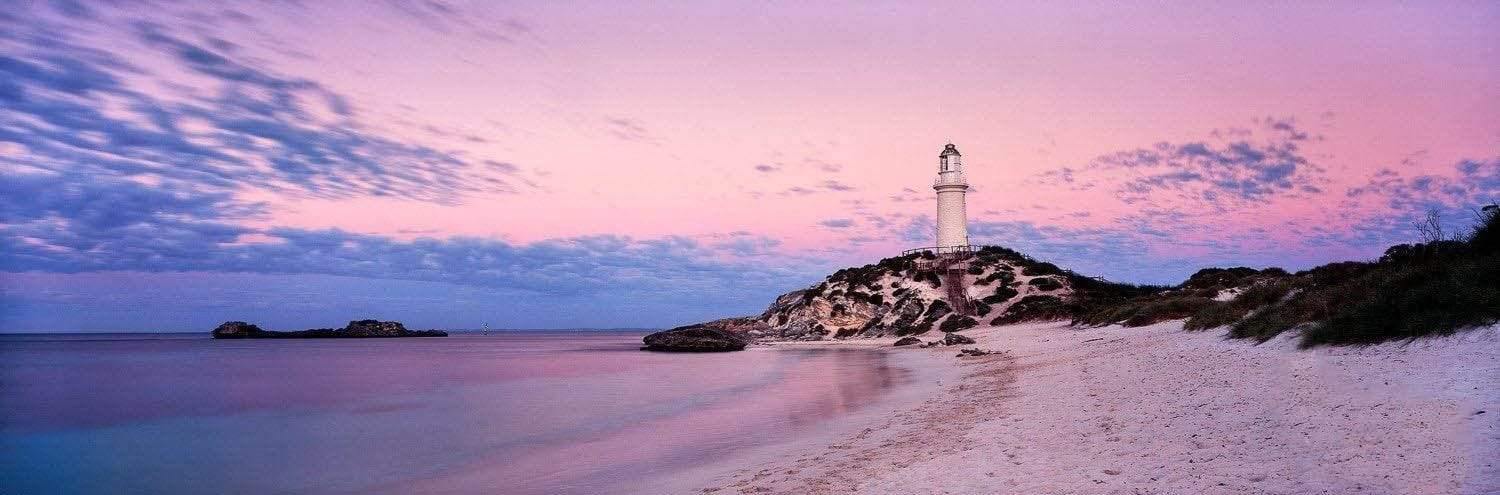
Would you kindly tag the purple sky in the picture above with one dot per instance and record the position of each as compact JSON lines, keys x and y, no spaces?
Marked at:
{"x":168,"y":166}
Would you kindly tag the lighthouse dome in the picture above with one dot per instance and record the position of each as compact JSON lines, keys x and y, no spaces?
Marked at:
{"x":950,"y":149}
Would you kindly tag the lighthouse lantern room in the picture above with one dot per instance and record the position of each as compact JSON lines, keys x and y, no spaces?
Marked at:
{"x":951,"y":186}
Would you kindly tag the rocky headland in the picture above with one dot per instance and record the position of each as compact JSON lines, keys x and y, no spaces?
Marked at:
{"x":1413,"y":290}
{"x":355,"y":329}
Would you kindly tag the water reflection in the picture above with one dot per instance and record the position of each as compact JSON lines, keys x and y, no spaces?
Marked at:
{"x":534,"y":413}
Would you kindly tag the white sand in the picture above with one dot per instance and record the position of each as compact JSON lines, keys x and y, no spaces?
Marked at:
{"x":1160,"y":410}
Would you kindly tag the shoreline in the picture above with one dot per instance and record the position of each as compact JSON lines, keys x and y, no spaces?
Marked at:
{"x":1152,"y":409}
{"x":932,"y":376}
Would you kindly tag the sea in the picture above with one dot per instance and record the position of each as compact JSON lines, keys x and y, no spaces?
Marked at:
{"x":499,"y":412}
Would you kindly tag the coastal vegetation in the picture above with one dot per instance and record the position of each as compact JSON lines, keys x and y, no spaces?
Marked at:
{"x":1437,"y":286}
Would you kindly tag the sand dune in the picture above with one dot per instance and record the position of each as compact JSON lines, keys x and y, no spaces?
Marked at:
{"x":1159,"y":410}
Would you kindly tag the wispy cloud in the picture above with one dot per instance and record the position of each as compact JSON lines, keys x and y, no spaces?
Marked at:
{"x":627,"y":129}
{"x":75,"y":109}
{"x":837,"y":223}
{"x":836,"y":186}
{"x":1230,"y":172}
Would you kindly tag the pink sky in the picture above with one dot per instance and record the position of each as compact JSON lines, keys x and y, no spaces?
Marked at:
{"x":758,"y":122}
{"x":876,"y":91}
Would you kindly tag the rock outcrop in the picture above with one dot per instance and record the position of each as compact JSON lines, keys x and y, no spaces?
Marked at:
{"x":892,"y":297}
{"x":956,"y":339}
{"x":694,"y":338}
{"x":237,"y":330}
{"x":905,"y":341}
{"x":355,"y":329}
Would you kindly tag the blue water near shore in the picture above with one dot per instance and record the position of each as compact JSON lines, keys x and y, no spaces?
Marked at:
{"x":524,"y":412}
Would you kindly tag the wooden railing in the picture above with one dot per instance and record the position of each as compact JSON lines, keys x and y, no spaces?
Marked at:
{"x":944,"y":250}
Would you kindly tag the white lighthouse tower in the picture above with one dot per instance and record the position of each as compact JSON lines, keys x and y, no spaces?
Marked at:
{"x":952,"y":217}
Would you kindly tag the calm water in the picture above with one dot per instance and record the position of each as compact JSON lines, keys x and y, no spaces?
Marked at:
{"x":516,"y":413}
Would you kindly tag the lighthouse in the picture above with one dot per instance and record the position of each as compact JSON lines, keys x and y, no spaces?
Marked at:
{"x":952,"y":217}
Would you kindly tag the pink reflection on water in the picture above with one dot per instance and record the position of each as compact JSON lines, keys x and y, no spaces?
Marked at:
{"x":815,"y":386}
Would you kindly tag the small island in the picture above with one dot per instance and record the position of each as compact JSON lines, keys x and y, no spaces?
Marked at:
{"x":355,"y":329}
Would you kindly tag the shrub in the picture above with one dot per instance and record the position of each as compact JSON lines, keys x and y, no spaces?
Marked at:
{"x":1045,"y":283}
{"x":813,"y":292}
{"x":1002,"y":274}
{"x":1176,"y":308}
{"x":1218,"y":277}
{"x":1002,"y":294}
{"x":1040,"y":268}
{"x":975,"y":270}
{"x":1227,"y":313}
{"x":1032,"y":308}
{"x":1399,"y":298}
{"x":1435,"y":299}
{"x":957,"y":322}
{"x":1144,"y":311}
{"x":937,"y":309}
{"x":981,"y":309}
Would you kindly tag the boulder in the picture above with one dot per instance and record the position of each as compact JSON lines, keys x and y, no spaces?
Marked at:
{"x":744,"y":327}
{"x":694,"y":338}
{"x":972,"y":352}
{"x":956,"y":339}
{"x":908,"y":341}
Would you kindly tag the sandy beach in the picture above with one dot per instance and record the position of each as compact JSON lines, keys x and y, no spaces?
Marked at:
{"x":1155,"y":409}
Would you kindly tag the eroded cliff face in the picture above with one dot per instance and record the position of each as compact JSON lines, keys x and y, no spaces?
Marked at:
{"x":893,"y":298}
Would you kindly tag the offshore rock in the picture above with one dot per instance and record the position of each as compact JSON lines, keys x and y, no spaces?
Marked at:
{"x":694,"y":338}
{"x":355,"y":329}
{"x":236,"y":330}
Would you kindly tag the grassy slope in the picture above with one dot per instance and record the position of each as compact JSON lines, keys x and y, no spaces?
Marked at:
{"x":1414,"y":290}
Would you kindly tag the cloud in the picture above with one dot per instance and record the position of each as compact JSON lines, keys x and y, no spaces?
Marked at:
{"x":919,"y":229}
{"x":837,"y":223}
{"x":99,"y":175}
{"x":627,"y":129}
{"x":766,"y":168}
{"x":1386,"y":207}
{"x":745,"y":244}
{"x":449,"y":18}
{"x":1472,"y":183}
{"x":1231,"y":172}
{"x":224,"y":122}
{"x":72,"y":224}
{"x":836,"y":186}
{"x":824,"y":166}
